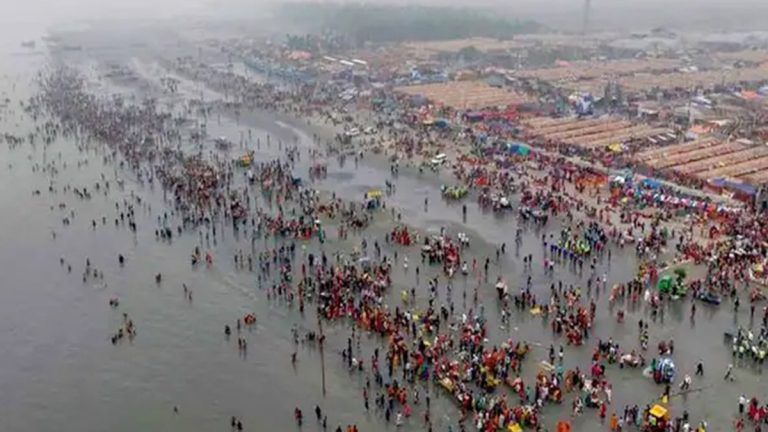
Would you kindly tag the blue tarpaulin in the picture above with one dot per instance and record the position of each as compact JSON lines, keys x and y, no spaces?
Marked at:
{"x":742,"y":187}
{"x":651,"y":183}
{"x":717,"y":182}
{"x":734,"y":186}
{"x":518,"y":148}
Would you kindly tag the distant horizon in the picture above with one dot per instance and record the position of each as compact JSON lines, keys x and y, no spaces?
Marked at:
{"x":700,"y":15}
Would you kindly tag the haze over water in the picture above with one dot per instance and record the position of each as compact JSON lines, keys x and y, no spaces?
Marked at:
{"x":58,"y":370}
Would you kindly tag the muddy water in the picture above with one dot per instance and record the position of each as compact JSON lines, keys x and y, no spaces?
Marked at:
{"x":59,"y":370}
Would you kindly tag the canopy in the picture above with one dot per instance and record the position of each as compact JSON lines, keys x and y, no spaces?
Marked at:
{"x":658,"y":411}
{"x":733,"y":185}
{"x":518,"y":148}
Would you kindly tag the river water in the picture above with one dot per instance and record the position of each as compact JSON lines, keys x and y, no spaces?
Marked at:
{"x":60,"y":372}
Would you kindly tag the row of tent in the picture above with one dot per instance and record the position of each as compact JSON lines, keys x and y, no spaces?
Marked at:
{"x":651,"y":187}
{"x":743,"y":188}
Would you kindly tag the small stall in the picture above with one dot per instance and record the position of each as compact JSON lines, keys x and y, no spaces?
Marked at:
{"x":657,"y":420}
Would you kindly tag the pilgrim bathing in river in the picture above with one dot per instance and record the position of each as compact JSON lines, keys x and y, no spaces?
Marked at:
{"x":555,"y":296}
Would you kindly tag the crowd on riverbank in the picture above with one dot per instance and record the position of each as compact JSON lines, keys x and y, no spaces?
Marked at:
{"x":425,"y":344}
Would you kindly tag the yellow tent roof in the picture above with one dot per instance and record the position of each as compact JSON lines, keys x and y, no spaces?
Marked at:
{"x":658,"y":411}
{"x":514,"y":427}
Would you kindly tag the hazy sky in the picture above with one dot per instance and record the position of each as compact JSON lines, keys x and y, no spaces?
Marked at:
{"x":55,"y":10}
{"x":605,"y":11}
{"x":35,"y":9}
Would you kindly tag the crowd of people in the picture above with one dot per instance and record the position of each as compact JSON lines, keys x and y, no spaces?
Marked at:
{"x":428,"y":344}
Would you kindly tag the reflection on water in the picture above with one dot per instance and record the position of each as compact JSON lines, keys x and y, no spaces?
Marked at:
{"x":60,"y":371}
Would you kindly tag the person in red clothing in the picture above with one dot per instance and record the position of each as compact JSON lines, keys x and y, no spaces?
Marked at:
{"x":739,"y":425}
{"x":603,"y":408}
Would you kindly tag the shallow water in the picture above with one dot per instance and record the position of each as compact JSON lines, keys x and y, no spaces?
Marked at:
{"x":59,"y":370}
